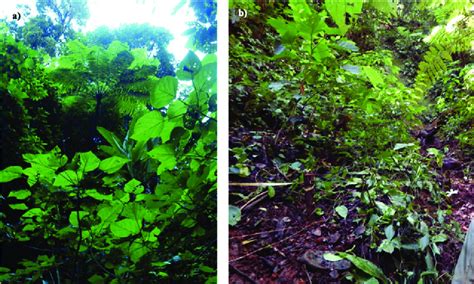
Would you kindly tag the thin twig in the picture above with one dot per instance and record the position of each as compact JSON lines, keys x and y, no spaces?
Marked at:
{"x":257,"y":198}
{"x":272,"y":244}
{"x":261,"y":233}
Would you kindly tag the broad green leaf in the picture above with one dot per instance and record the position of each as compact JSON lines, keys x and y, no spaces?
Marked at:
{"x":73,"y":217}
{"x":234,"y":215}
{"x":301,"y":10}
{"x":148,"y":126}
{"x":33,"y":212}
{"x":125,"y":228}
{"x":44,"y":165}
{"x":67,"y":178}
{"x":10,"y":173}
{"x":209,"y":59}
{"x":20,"y":194}
{"x":134,"y":186}
{"x":32,"y":173}
{"x":176,"y":110}
{"x":112,"y":164}
{"x":366,"y":266}
{"x":88,"y":162}
{"x":206,"y":77}
{"x":342,"y":211}
{"x":188,"y":67}
{"x":19,"y":206}
{"x":137,"y":250}
{"x":338,"y":9}
{"x":168,"y":127}
{"x":165,"y":154}
{"x":374,"y":76}
{"x":109,"y":214}
{"x":385,"y":6}
{"x":97,"y":195}
{"x":164,"y":92}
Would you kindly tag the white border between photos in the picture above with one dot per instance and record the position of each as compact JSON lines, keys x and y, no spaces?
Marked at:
{"x":222,"y":141}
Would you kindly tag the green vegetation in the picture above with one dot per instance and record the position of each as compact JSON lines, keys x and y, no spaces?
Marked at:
{"x":366,"y":108}
{"x":108,"y":153}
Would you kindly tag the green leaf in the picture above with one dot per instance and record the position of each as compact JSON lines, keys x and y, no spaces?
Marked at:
{"x":386,"y":246}
{"x":137,"y":250}
{"x":19,"y":206}
{"x":206,"y":269}
{"x":125,"y":228}
{"x":109,"y":214}
{"x":424,"y":241}
{"x":88,"y":162}
{"x":399,"y":146}
{"x":296,"y":166}
{"x":342,"y":211}
{"x":168,"y":127}
{"x":389,"y":232}
{"x":206,"y":78}
{"x":112,"y":164}
{"x":165,"y":154}
{"x":331,"y":257}
{"x":20,"y":194}
{"x":97,"y":195}
{"x":164,"y":92}
{"x":73,"y":217}
{"x":10,"y":173}
{"x":439,"y":238}
{"x":371,"y":281}
{"x":148,"y":126}
{"x":374,"y":76}
{"x":134,"y":186}
{"x":96,"y":279}
{"x":188,"y":67}
{"x":366,"y":266}
{"x":271,"y":191}
{"x":33,"y":212}
{"x":385,"y":6}
{"x":111,"y":138}
{"x":67,"y":178}
{"x":234,"y":215}
{"x":31,"y":173}
{"x":338,"y":9}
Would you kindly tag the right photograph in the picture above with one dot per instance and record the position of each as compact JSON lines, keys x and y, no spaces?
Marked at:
{"x":351,"y":141}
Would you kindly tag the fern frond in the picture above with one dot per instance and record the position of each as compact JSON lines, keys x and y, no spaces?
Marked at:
{"x":454,"y":38}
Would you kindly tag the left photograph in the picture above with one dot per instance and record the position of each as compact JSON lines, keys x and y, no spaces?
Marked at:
{"x":108,"y":168}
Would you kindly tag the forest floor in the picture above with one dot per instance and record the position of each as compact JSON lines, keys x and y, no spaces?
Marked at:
{"x":268,"y":244}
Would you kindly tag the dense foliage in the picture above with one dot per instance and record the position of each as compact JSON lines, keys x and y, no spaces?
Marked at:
{"x":331,"y":97}
{"x":108,"y":162}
